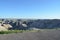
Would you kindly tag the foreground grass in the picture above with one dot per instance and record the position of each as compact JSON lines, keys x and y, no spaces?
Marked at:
{"x":10,"y":31}
{"x":16,"y":31}
{"x":21,"y":31}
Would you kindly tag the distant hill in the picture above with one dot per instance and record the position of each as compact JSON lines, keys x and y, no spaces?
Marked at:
{"x":25,"y":24}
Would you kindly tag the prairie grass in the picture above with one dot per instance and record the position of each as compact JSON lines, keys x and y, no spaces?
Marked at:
{"x":16,"y":31}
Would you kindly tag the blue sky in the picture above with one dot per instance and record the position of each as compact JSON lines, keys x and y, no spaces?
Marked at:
{"x":37,"y":9}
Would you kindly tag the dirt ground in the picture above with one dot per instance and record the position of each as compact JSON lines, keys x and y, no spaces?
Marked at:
{"x":41,"y":35}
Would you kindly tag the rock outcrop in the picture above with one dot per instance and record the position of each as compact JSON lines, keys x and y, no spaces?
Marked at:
{"x":26,"y":24}
{"x":5,"y":27}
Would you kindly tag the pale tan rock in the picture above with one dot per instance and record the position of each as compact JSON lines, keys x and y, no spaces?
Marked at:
{"x":7,"y":26}
{"x":4,"y":27}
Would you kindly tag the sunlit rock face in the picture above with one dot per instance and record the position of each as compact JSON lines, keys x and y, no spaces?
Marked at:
{"x":24,"y":25}
{"x":5,"y":27}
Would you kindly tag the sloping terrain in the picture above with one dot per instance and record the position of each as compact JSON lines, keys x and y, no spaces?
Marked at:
{"x":28,"y":24}
{"x":40,"y":35}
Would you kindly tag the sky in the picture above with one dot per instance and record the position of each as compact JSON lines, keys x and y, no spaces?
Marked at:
{"x":30,"y":9}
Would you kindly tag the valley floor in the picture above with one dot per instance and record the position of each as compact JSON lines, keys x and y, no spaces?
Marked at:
{"x":40,"y":35}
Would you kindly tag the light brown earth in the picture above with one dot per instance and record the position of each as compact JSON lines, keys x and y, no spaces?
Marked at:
{"x":41,"y":35}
